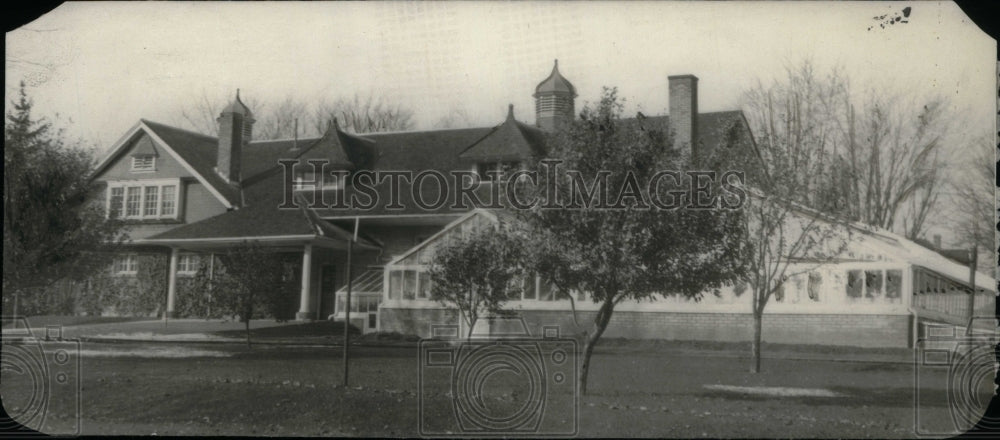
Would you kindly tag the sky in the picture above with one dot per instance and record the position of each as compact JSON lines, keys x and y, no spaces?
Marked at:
{"x":104,"y":65}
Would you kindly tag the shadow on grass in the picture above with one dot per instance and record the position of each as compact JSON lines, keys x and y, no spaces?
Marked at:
{"x":848,"y":396}
{"x":316,"y":329}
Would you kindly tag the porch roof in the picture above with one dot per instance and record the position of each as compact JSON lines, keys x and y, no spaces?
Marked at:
{"x":262,"y":221}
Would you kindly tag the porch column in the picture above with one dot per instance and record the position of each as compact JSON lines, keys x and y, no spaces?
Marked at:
{"x":172,"y":284}
{"x":305,"y":304}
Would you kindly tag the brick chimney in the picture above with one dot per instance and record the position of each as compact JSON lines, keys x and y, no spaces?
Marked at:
{"x":683,"y":90}
{"x":235,"y":131}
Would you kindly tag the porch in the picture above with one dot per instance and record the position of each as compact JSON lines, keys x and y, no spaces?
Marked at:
{"x":939,"y":298}
{"x":317,"y":263}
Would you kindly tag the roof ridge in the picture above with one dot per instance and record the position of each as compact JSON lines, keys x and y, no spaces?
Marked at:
{"x":301,"y":139}
{"x":148,"y":121}
{"x":419,"y":131}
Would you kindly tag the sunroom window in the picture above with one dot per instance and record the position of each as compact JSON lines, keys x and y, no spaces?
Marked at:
{"x":874,"y":286}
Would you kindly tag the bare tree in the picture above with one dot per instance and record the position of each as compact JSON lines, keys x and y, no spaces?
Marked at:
{"x":880,"y":165}
{"x":201,"y":113}
{"x":975,"y":202}
{"x":457,"y":117}
{"x":277,"y":119}
{"x":898,"y":162}
{"x":362,"y":114}
{"x":785,"y":241}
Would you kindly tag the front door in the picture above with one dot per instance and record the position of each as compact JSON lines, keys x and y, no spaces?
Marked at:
{"x":327,"y":289}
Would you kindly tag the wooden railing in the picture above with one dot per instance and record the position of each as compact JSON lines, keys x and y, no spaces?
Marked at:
{"x":955,"y":304}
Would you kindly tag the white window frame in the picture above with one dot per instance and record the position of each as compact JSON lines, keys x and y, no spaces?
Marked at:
{"x":139,"y":160}
{"x":301,"y":184}
{"x":188,"y":263}
{"x":142,"y":185}
{"x":497,"y":167}
{"x":882,"y":298}
{"x":131,"y":265}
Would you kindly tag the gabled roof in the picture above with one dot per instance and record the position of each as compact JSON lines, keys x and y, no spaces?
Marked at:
{"x":343,"y":150}
{"x":199,"y":151}
{"x":510,"y":140}
{"x":187,"y":148}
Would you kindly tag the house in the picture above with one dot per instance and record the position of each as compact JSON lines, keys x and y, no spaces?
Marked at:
{"x":190,"y":196}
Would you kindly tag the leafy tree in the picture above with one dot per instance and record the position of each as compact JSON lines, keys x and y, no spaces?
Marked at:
{"x":477,"y":274}
{"x":52,"y":228}
{"x":248,"y":282}
{"x":630,"y":252}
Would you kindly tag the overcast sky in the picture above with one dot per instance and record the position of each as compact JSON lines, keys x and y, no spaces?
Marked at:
{"x":105,"y":65}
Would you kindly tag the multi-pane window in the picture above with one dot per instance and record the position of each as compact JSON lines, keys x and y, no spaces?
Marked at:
{"x":168,"y":204}
{"x":117,"y":196}
{"x":125,"y":264}
{"x":144,"y":163}
{"x":488,"y":170}
{"x":133,"y":199}
{"x":143,"y":199}
{"x":187,"y":264}
{"x":424,"y":283}
{"x":874,"y":286}
{"x":409,"y":284}
{"x":152,"y":201}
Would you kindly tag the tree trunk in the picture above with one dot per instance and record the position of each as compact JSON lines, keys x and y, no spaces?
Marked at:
{"x":247,"y":326}
{"x":601,"y":323}
{"x":472,"y":326}
{"x":755,"y":348}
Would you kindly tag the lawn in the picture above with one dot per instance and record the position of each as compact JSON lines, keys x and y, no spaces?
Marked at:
{"x":295,"y":391}
{"x":41,"y":321}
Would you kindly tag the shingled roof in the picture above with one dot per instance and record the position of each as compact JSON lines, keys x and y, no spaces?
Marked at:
{"x":437,"y":150}
{"x":260,"y":217}
{"x":509,"y":140}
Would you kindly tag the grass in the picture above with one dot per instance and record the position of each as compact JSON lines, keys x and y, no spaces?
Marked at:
{"x":47,"y":320}
{"x":832,"y":350}
{"x":289,"y":391}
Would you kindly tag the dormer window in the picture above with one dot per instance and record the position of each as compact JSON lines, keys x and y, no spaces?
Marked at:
{"x":143,"y":163}
{"x":487,"y":170}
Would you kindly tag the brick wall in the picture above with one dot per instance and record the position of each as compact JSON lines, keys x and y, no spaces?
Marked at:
{"x":839,"y":329}
{"x":414,"y":321}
